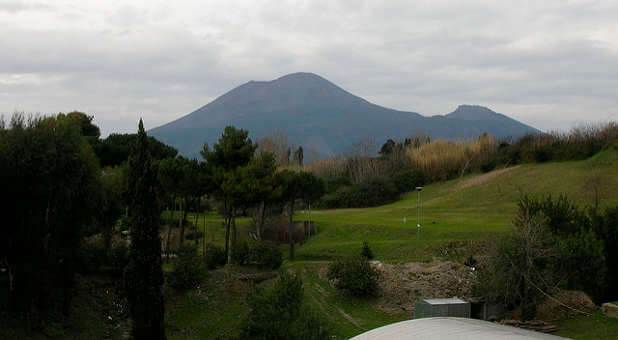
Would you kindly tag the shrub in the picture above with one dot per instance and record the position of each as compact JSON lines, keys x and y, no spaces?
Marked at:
{"x":91,"y":256}
{"x":581,"y":262}
{"x":553,"y":245}
{"x":273,"y":311}
{"x":407,"y":180}
{"x":266,"y":255}
{"x":279,"y":313}
{"x":366,"y":252}
{"x":188,"y":269}
{"x":240,"y":253}
{"x":119,"y":258}
{"x":374,"y":192}
{"x":605,"y":226}
{"x":310,"y":325}
{"x":356,"y":275}
{"x":543,"y":154}
{"x":194,"y":235}
{"x":488,"y":165}
{"x":214,"y":256}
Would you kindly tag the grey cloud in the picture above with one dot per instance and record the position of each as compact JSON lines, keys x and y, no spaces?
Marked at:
{"x":540,"y":63}
{"x":22,"y":6}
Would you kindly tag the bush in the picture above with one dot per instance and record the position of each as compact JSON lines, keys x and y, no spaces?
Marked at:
{"x":407,"y":180}
{"x":605,"y":226}
{"x":266,"y":255}
{"x":368,"y":194}
{"x":188,"y":269}
{"x":119,"y":258}
{"x":554,"y":245}
{"x":356,"y":275}
{"x":214,"y":256}
{"x":194,"y":235}
{"x":488,"y":165}
{"x":278,"y":313}
{"x":366,"y":252}
{"x":240,"y":253}
{"x":91,"y":256}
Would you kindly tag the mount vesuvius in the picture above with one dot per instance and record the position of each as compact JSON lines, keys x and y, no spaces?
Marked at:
{"x":319,"y":115}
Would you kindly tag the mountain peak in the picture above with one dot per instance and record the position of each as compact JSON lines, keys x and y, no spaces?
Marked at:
{"x":320,"y":115}
{"x":473,"y":112}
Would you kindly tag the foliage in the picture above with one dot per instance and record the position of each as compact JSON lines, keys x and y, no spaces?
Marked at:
{"x":366,"y":252}
{"x":240,"y":253}
{"x":90,"y":131}
{"x":189,"y":269}
{"x":312,"y":188}
{"x":520,"y":268}
{"x":266,"y":255}
{"x":278,"y":313}
{"x":260,"y":187}
{"x":119,"y":258}
{"x":579,"y":143}
{"x":50,"y":179}
{"x":552,"y":246}
{"x":605,"y":226}
{"x":112,"y":203}
{"x":116,"y":149}
{"x":407,"y":180}
{"x":230,"y":154}
{"x":214,"y":256}
{"x":143,"y":274}
{"x":372,"y":193}
{"x":581,"y":262}
{"x":356,"y":275}
{"x":91,"y":257}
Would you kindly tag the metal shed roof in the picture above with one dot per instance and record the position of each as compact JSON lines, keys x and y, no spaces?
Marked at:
{"x":451,"y":328}
{"x":448,"y":301}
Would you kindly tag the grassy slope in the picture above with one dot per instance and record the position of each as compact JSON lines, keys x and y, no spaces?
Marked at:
{"x":476,"y":212}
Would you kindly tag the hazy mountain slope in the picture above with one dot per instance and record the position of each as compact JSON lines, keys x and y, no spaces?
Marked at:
{"x":318,"y":114}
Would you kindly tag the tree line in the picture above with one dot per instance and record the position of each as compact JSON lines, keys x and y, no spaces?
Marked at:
{"x":62,"y":184}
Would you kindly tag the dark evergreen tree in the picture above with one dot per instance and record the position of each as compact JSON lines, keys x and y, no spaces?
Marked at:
{"x":290,"y":186}
{"x":143,"y":275}
{"x":298,"y":156}
{"x":225,"y":165}
{"x":50,"y":181}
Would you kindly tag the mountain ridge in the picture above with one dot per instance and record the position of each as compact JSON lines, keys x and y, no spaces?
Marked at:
{"x":314,"y":111}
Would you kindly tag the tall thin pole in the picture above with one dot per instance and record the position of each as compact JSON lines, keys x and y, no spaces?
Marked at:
{"x":204,"y":236}
{"x":418,"y":215}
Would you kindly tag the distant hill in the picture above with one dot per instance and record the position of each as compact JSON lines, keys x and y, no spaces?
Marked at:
{"x":319,"y":115}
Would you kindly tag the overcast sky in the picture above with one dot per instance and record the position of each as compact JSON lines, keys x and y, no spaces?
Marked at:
{"x":550,"y":64}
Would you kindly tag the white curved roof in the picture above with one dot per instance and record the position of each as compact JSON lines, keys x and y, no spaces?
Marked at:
{"x":451,"y":328}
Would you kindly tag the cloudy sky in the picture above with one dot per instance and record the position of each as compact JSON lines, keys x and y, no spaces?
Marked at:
{"x":551,"y":64}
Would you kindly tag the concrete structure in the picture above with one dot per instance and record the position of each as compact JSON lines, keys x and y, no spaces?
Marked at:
{"x":429,"y":308}
{"x":451,"y":328}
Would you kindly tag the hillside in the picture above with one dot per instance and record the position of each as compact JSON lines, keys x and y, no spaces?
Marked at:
{"x":458,"y":217}
{"x":321,"y":116}
{"x":471,"y":208}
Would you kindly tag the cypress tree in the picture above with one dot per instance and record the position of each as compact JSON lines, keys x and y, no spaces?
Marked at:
{"x":143,"y":275}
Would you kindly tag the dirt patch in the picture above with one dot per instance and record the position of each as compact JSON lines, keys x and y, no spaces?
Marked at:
{"x":485,"y":178}
{"x":404,"y":284}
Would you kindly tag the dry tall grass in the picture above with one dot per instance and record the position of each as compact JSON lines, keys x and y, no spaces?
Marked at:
{"x":442,"y":160}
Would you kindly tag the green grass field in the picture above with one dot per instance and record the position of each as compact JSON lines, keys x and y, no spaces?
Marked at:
{"x":475,"y":207}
